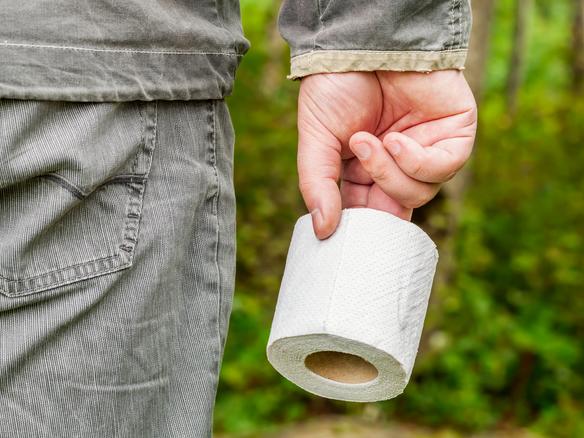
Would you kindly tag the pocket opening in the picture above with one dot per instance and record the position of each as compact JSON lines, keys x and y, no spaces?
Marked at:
{"x":93,"y":236}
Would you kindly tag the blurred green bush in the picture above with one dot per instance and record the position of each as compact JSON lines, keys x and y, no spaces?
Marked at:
{"x":503,"y":341}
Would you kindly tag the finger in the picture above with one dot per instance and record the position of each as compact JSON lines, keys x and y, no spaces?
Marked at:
{"x":432,"y":131}
{"x":371,"y":196}
{"x":319,"y":165}
{"x":432,"y":164}
{"x":354,"y":195}
{"x":375,"y":159}
{"x":378,"y":200}
{"x":354,"y":171}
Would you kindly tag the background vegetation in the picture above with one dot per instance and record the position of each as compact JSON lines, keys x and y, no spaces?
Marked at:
{"x":503,"y":340}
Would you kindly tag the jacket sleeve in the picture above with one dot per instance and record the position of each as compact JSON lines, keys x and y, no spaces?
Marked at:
{"x":368,"y":35}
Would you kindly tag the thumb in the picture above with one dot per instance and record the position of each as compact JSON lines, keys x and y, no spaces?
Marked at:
{"x":319,"y":167}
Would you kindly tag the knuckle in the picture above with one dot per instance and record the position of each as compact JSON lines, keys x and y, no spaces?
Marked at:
{"x":414,"y":164}
{"x":416,"y":168}
{"x":379,"y":173}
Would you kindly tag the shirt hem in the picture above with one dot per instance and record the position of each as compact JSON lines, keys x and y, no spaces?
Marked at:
{"x":338,"y":61}
{"x":59,"y":73}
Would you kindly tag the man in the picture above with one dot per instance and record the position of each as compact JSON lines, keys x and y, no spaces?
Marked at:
{"x":117,"y":211}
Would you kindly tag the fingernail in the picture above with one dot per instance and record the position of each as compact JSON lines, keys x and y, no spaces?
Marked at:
{"x":316,"y":217}
{"x":362,"y":150}
{"x":394,"y":147}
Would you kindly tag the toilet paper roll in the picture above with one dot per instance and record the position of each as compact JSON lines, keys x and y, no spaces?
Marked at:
{"x":351,"y":308}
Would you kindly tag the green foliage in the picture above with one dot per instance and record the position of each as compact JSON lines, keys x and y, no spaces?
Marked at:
{"x":503,"y":342}
{"x":508,"y":335}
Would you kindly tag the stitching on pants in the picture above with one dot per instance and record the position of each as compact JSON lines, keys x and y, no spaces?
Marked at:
{"x":136,"y":190}
{"x":217,"y":223}
{"x":213,"y":114}
{"x":23,"y":280}
{"x":103,"y":265}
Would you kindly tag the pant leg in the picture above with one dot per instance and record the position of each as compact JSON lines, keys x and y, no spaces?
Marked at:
{"x":117,"y":252}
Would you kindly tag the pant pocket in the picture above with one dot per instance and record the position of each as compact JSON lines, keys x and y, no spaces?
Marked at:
{"x":72,"y":178}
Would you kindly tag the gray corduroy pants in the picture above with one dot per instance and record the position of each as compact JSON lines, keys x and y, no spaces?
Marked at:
{"x":117,"y":254}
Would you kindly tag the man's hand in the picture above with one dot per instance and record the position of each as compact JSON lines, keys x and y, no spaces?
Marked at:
{"x":390,"y":138}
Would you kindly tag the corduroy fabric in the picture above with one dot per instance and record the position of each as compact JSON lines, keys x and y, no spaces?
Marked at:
{"x":117,"y":253}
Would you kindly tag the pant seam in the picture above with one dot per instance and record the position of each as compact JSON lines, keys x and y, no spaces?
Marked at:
{"x":215,"y":212}
{"x":218,"y":233}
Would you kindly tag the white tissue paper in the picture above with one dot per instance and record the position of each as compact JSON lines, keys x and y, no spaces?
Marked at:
{"x":351,"y":308}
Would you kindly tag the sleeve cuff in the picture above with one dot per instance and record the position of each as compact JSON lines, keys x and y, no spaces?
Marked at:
{"x":337,"y":61}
